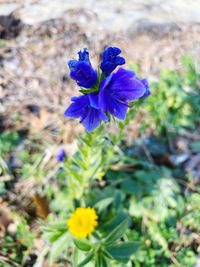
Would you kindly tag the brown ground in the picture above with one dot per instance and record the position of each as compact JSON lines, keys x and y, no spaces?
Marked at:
{"x":34,"y":77}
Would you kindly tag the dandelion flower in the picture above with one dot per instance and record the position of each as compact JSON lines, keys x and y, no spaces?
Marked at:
{"x":82,"y":222}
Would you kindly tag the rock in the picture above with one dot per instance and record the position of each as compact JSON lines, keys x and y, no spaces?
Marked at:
{"x":7,"y":9}
{"x":157,"y":30}
{"x":10,"y":27}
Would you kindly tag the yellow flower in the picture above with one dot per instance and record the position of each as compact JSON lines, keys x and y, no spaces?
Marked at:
{"x":83,"y":222}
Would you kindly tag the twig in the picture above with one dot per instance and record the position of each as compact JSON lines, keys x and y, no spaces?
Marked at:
{"x":176,"y":262}
{"x":4,"y":259}
{"x":187,"y":184}
{"x":146,"y":151}
{"x":150,"y":216}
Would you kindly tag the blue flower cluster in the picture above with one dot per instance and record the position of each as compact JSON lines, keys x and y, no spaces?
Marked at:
{"x":106,"y":93}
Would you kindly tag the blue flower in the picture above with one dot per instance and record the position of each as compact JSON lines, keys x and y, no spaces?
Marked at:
{"x":86,"y":108}
{"x":119,"y":88}
{"x":111,"y":60}
{"x":112,"y":95}
{"x":61,"y":155}
{"x":81,"y":71}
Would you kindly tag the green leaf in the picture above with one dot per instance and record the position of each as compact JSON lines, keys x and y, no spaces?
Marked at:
{"x":75,"y":256}
{"x":110,"y":225}
{"x":87,"y":259}
{"x":8,"y":141}
{"x":157,"y":235}
{"x":123,"y":250}
{"x":78,"y":162}
{"x":92,"y":90}
{"x":82,"y":151}
{"x":60,"y":225}
{"x":103,"y":203}
{"x":52,"y":236}
{"x":104,"y":262}
{"x":107,"y":254}
{"x":2,"y":188}
{"x":85,"y":141}
{"x":82,"y":244}
{"x":100,"y":261}
{"x":117,"y":232}
{"x":58,"y":247}
{"x":130,"y":187}
{"x":74,"y":173}
{"x":117,"y":202}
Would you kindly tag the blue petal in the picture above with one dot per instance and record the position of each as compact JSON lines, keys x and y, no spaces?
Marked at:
{"x":124,"y":85}
{"x":119,"y":88}
{"x":146,"y":84}
{"x":102,"y":96}
{"x":78,"y":108}
{"x":147,"y":93}
{"x":119,"y":61}
{"x":82,"y":108}
{"x":133,"y":91}
{"x":74,"y":98}
{"x":115,"y":106}
{"x":103,"y":116}
{"x":72,"y":64}
{"x":80,"y":71}
{"x":84,"y":56}
{"x":93,"y":98}
{"x":110,"y":53}
{"x":92,"y":120}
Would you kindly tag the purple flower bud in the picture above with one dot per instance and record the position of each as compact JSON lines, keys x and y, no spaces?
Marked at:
{"x":81,"y":71}
{"x":61,"y":155}
{"x":111,"y":60}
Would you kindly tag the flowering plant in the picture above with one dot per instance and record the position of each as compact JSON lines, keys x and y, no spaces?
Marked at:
{"x":106,"y":94}
{"x":94,"y":224}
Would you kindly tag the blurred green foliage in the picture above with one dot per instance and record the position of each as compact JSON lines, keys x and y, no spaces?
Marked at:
{"x":8,"y":141}
{"x":18,"y":247}
{"x":174,"y":105}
